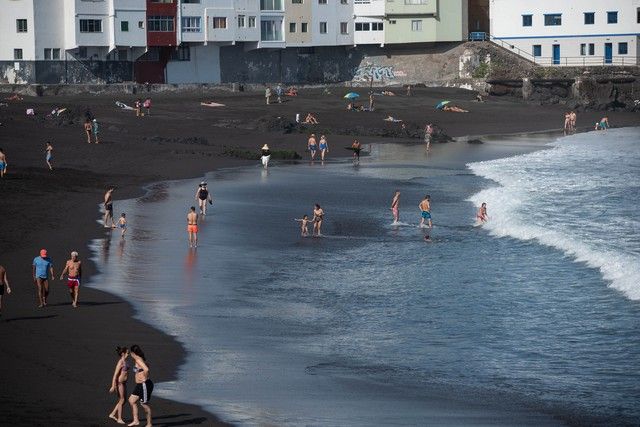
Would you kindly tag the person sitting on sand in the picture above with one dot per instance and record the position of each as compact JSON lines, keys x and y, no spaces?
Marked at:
{"x":603,"y":124}
{"x":3,"y":163}
{"x":454,"y":109}
{"x":352,"y":106}
{"x":74,"y":268}
{"x":119,"y":383}
{"x":291,"y":91}
{"x":311,"y":119}
{"x":144,"y":386}
{"x":14,"y":97}
{"x":482,"y":216}
{"x":304,"y":225}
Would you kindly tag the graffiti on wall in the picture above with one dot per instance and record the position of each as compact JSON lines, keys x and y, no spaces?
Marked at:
{"x":375,"y":73}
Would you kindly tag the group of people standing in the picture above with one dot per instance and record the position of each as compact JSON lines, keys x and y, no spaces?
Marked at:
{"x":141,"y":393}
{"x":570,"y":118}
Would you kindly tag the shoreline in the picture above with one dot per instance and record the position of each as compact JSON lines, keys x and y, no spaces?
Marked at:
{"x":28,"y":331}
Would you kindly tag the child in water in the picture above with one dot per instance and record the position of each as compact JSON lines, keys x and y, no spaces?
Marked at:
{"x":122,"y":223}
{"x":304,"y":225}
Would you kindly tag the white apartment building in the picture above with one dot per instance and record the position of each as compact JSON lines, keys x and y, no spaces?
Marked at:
{"x":369,"y":21}
{"x":569,"y":32}
{"x":332,"y":23}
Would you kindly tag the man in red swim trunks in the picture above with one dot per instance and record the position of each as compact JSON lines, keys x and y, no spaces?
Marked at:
{"x":74,"y":268}
{"x":192,"y":227}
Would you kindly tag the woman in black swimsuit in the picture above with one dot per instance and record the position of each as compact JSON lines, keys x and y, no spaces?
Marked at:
{"x":318,"y":215}
{"x":144,"y":386}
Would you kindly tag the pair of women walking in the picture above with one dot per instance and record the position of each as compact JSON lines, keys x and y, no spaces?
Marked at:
{"x":141,"y":393}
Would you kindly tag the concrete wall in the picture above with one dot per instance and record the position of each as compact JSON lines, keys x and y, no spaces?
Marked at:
{"x":204,"y":66}
{"x":17,"y":72}
{"x":388,"y":65}
{"x":71,"y":72}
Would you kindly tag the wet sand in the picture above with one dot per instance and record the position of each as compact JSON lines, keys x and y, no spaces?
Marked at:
{"x":58,"y":361}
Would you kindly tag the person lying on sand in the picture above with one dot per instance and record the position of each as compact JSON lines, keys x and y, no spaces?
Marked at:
{"x":291,"y":91}
{"x":311,"y":119}
{"x":14,"y":97}
{"x":454,"y":109}
{"x":392,"y":119}
{"x":388,"y":93}
{"x":352,"y":106}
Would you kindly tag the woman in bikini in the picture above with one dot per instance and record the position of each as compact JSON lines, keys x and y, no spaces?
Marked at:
{"x":481,"y":216}
{"x":318,"y":215}
{"x":144,"y":386}
{"x":324,"y":147}
{"x":49,"y":154}
{"x":119,"y":383}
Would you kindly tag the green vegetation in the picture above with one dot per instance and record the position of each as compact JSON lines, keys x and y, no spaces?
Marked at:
{"x":481,"y":71}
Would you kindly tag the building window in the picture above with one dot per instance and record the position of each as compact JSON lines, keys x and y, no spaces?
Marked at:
{"x":527,"y":20}
{"x":241,"y":21}
{"x":21,"y":25}
{"x":415,"y":1}
{"x":583,"y":49}
{"x":589,"y":18}
{"x":17,"y":53}
{"x":219,"y":22}
{"x":344,"y":1}
{"x":296,"y":1}
{"x":161,"y":23}
{"x":168,"y":1}
{"x":190,"y":1}
{"x":537,"y":50}
{"x":51,"y":53}
{"x":271,"y":30}
{"x":304,"y":27}
{"x":91,"y":25}
{"x":191,"y":24}
{"x":592,"y":49}
{"x":344,"y":28}
{"x":553,"y":19}
{"x":416,"y":25}
{"x":623,"y":48}
{"x":124,"y":26}
{"x":141,"y":25}
{"x":322,"y":1}
{"x":638,"y":15}
{"x":362,"y":26}
{"x":252,"y":22}
{"x":612,"y":17}
{"x":182,"y":53}
{"x":271,"y":5}
{"x":376,"y":26}
{"x":292,"y":27}
{"x":323,"y":28}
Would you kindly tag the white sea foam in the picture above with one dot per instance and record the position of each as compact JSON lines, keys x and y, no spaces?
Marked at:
{"x":580,"y":196}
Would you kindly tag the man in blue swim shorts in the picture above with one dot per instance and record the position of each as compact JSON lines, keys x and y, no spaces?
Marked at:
{"x":3,"y":163}
{"x":425,"y":210}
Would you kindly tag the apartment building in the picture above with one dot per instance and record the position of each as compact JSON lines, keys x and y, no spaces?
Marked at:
{"x":409,"y":21}
{"x":569,"y":32}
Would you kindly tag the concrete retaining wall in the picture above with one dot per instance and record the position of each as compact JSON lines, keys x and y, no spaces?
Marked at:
{"x":71,"y":71}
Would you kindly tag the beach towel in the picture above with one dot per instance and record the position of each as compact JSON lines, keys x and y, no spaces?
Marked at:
{"x":211,"y":104}
{"x":123,"y":106}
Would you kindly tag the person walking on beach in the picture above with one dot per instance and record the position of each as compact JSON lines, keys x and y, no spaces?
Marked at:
{"x":4,"y":283}
{"x":279,"y":92}
{"x":312,"y":145}
{"x":74,"y":268}
{"x":138,"y":106}
{"x":143,"y":389}
{"x":574,"y":119}
{"x":202,"y":197}
{"x":304,"y":225}
{"x":88,"y":129}
{"x":147,"y":106}
{"x":567,"y":122}
{"x":95,"y":129}
{"x":395,"y":206}
{"x":122,"y":223}
{"x":108,"y":208}
{"x":428,"y":135}
{"x":192,"y":227}
{"x":267,"y":94}
{"x":318,"y":216}
{"x":482,"y":216}
{"x":42,"y":267}
{"x":49,"y":155}
{"x":3,"y":163}
{"x":425,"y":210}
{"x":119,"y":383}
{"x":356,"y":147}
{"x":324,"y":147}
{"x":266,"y":155}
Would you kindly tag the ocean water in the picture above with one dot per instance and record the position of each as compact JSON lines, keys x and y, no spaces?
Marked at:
{"x":531,"y":319}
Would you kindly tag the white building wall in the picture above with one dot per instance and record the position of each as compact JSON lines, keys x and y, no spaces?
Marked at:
{"x":368,"y":12}
{"x":49,"y":26}
{"x":92,"y":10}
{"x":133,"y":12}
{"x":333,"y":13}
{"x":203,"y":66}
{"x":11,"y":39}
{"x":507,"y":25}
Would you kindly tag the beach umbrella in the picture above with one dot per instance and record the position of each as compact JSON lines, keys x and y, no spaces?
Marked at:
{"x":351,"y":95}
{"x":441,"y":104}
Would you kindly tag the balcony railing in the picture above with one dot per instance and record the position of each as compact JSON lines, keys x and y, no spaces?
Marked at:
{"x":588,"y":61}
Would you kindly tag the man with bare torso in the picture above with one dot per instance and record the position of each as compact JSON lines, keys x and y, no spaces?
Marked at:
{"x":425,"y":210}
{"x":4,"y":282}
{"x":74,"y":269}
{"x":108,"y":209}
{"x":192,"y":227}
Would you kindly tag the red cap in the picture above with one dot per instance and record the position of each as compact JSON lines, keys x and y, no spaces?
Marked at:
{"x":43,"y":253}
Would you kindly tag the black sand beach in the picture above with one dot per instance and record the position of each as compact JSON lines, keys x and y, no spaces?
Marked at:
{"x":58,"y":361}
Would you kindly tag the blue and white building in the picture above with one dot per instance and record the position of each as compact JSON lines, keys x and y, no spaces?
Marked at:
{"x":569,"y":32}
